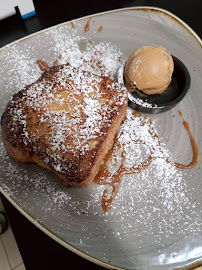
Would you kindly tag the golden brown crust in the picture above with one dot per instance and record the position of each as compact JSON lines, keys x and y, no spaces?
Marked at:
{"x":48,"y":122}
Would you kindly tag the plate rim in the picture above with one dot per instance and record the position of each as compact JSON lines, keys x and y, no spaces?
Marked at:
{"x":139,"y":8}
{"x":26,"y":214}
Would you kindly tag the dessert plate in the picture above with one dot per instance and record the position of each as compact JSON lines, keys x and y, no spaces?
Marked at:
{"x":155,"y":221}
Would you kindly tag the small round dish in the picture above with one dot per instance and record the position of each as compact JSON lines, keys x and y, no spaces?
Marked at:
{"x":158,"y":103}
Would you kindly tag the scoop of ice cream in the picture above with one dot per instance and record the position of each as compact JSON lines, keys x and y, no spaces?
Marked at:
{"x":149,"y":69}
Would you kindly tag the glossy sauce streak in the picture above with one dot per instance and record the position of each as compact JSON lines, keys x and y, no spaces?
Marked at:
{"x":104,"y":177}
{"x":100,"y":28}
{"x":73,"y":25}
{"x":56,"y":61}
{"x":195,"y":156}
{"x":87,"y":25}
{"x":42,"y":65}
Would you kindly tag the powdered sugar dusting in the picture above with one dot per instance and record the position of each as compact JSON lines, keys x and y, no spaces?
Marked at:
{"x":101,"y":59}
{"x":74,"y":108}
{"x":21,"y":67}
{"x":140,"y":102}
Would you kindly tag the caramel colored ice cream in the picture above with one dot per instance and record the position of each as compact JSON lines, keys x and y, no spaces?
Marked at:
{"x":149,"y":69}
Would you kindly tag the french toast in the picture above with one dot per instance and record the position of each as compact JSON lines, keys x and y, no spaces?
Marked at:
{"x":65,"y":121}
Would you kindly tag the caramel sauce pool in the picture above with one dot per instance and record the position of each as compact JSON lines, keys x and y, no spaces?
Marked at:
{"x":105,"y":178}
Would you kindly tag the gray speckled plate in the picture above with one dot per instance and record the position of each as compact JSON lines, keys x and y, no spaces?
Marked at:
{"x":155,"y":222}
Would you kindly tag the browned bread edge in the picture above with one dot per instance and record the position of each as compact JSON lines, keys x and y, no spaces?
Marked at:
{"x":22,"y":153}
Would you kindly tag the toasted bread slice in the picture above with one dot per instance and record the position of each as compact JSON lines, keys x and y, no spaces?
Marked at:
{"x":65,"y":122}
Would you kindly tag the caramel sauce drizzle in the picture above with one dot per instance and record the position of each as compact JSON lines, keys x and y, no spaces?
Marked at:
{"x":87,"y":25}
{"x":73,"y":25}
{"x":104,"y":177}
{"x":195,"y":155}
{"x":55,"y":63}
{"x":42,"y":65}
{"x":100,"y":28}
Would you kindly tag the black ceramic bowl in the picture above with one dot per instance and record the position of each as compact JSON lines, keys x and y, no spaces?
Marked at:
{"x":169,"y":98}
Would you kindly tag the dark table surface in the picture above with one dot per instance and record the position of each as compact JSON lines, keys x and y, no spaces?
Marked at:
{"x":37,"y":249}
